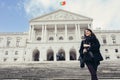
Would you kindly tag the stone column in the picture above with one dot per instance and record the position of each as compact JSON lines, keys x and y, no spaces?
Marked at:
{"x":55,"y":33}
{"x":77,"y":53}
{"x":42,"y":33}
{"x":55,"y":55}
{"x":67,"y":56}
{"x":41,"y":55}
{"x":66,"y":32}
{"x":30,"y":30}
{"x":76,"y":32}
{"x":45,"y":35}
{"x":32,"y":33}
{"x":79,"y":37}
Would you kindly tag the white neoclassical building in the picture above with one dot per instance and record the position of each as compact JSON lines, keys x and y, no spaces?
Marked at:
{"x":54,"y":37}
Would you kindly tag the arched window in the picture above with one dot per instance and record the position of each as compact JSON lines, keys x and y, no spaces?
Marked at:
{"x":106,"y":50}
{"x":5,"y":59}
{"x":51,"y":38}
{"x":60,"y":38}
{"x":107,"y":57}
{"x":118,"y":57}
{"x":15,"y":59}
{"x":39,"y":39}
{"x":61,"y":55}
{"x":16,"y":52}
{"x":70,"y":38}
{"x":116,"y":50}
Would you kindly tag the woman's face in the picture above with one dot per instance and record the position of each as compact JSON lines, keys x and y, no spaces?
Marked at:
{"x":87,"y":33}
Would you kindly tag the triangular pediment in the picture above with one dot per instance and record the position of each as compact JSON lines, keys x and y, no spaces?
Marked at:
{"x":61,"y":15}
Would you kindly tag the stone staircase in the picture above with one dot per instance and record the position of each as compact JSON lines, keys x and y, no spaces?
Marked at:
{"x":108,"y":70}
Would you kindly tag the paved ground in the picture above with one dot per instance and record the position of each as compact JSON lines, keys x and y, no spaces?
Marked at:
{"x":108,"y":70}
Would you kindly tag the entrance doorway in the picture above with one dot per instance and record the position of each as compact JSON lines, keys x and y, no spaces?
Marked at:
{"x":36,"y":54}
{"x":61,"y":55}
{"x":72,"y":54}
{"x":50,"y":55}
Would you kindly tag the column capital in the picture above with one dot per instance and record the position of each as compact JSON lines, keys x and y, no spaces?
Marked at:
{"x":76,"y":24}
{"x":89,"y":26}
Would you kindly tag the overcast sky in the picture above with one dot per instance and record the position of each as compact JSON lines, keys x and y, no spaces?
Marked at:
{"x":15,"y":14}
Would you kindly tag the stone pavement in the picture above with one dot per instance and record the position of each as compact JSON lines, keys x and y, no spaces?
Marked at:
{"x":108,"y":70}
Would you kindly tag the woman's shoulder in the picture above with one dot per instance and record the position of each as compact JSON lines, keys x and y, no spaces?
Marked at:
{"x":93,"y":38}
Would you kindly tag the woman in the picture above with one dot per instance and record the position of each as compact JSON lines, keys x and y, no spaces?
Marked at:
{"x":90,"y":53}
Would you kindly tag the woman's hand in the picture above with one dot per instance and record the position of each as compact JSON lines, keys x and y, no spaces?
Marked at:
{"x":84,"y":50}
{"x":86,"y":45}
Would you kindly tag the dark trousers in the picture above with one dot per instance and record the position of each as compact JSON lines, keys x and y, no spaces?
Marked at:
{"x":92,"y":67}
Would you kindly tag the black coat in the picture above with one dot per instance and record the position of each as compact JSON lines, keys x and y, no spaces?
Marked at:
{"x":94,"y":48}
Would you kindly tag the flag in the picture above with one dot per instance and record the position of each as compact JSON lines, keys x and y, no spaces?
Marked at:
{"x":63,"y":3}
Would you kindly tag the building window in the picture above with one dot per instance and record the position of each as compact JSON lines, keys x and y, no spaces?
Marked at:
{"x":51,"y":38}
{"x":61,"y":38}
{"x":39,"y":39}
{"x":118,"y":57}
{"x":107,"y":57}
{"x":106,"y":50}
{"x":116,"y":50}
{"x":5,"y":59}
{"x":8,"y":41}
{"x":18,"y":42}
{"x":24,"y":59}
{"x":104,"y":39}
{"x":70,"y":38}
{"x":15,"y":59}
{"x":16,"y":52}
{"x":6,"y":52}
{"x":113,"y":39}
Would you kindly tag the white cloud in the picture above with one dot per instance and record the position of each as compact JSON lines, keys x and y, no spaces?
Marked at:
{"x":105,"y":13}
{"x":38,"y":7}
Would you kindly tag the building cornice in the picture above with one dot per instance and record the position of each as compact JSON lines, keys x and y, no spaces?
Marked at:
{"x":52,"y":14}
{"x":13,"y":33}
{"x":106,"y":31}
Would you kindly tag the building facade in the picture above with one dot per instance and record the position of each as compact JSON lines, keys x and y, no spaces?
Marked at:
{"x":55,"y":37}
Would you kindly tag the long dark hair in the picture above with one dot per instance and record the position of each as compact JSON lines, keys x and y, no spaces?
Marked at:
{"x":92,"y":34}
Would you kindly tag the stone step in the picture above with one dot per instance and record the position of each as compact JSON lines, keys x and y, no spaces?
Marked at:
{"x":57,"y":79}
{"x":57,"y":71}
